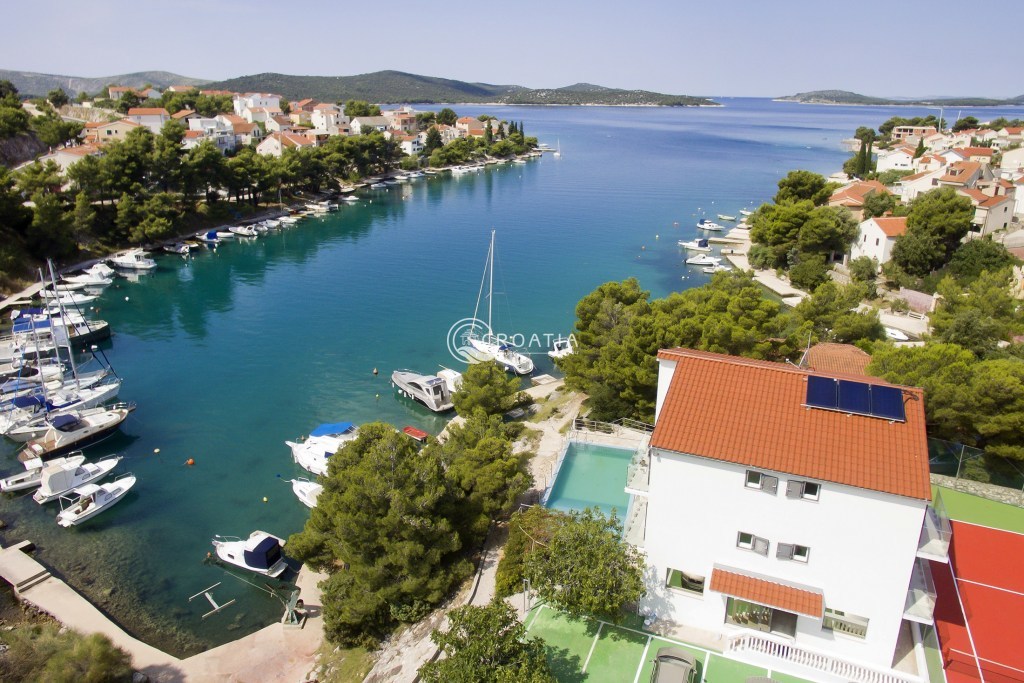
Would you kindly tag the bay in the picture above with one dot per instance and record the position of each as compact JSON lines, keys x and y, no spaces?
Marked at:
{"x":230,"y":353}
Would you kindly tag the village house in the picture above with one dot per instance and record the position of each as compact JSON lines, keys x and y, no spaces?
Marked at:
{"x":768,"y":494}
{"x":854,"y":195}
{"x":260,"y":114}
{"x":245,"y":133}
{"x":153,"y":118}
{"x":300,"y":117}
{"x":253,"y":100}
{"x":66,"y":157}
{"x":104,"y":131}
{"x":279,"y":124}
{"x":909,"y":187}
{"x":305,"y":105}
{"x":214,"y":129}
{"x":410,"y":144}
{"x":275,"y":143}
{"x":912,"y":134}
{"x":981,"y":155}
{"x":937,"y":142}
{"x":991,"y":213}
{"x":184,"y":115}
{"x":898,"y":159}
{"x":876,"y":237}
{"x":1008,"y":137}
{"x":1013,"y":160}
{"x":362,"y":125}
{"x":963,"y":174}
{"x":329,"y":117}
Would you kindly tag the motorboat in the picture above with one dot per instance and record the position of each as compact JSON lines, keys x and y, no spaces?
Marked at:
{"x":76,"y":429}
{"x":896,"y":335}
{"x":561,"y":347}
{"x":306,"y":491}
{"x":708,"y":224}
{"x":698,"y":244}
{"x":286,"y":221}
{"x":44,"y":370}
{"x":272,"y":222}
{"x":59,"y":478}
{"x":244,"y":230}
{"x":519,"y":160}
{"x":260,"y":553}
{"x":208,"y":237}
{"x":723,"y":217}
{"x":33,"y":474}
{"x":430,"y":390}
{"x":44,"y":324}
{"x":415,"y":434}
{"x":177,"y":248}
{"x":378,"y":186}
{"x":133,"y":259}
{"x":452,"y":378}
{"x":745,"y":212}
{"x":225,"y":235}
{"x":703,"y":260}
{"x":55,"y":302}
{"x":351,"y":199}
{"x":92,"y":500}
{"x":96,"y":275}
{"x":22,"y":410}
{"x":717,"y":268}
{"x":323,"y":442}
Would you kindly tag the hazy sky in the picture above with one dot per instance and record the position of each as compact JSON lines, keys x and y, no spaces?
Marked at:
{"x":710,"y":47}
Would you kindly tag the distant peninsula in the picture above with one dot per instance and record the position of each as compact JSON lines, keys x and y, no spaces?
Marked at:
{"x":847,"y":97}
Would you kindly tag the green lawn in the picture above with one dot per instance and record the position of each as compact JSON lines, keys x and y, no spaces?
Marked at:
{"x":967,"y":508}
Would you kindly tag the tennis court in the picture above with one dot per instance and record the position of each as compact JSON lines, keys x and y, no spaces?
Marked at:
{"x":979,"y":610}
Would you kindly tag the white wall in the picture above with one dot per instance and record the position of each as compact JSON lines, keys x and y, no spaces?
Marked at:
{"x":863,"y":545}
{"x":872,"y":242}
{"x":666,"y":368}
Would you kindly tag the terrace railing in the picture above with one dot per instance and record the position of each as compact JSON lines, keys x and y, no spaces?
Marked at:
{"x":636,"y":522}
{"x":920,"y":604}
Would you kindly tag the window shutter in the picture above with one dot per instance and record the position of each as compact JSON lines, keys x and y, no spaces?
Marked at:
{"x":794,"y":489}
{"x":769,"y":484}
{"x":761,"y":546}
{"x":784,"y":551}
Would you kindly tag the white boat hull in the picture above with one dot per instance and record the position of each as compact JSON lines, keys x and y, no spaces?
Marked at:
{"x":105,"y":496}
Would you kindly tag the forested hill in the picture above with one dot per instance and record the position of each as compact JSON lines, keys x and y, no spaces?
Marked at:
{"x":32,"y":83}
{"x":847,"y":97}
{"x":399,"y":87}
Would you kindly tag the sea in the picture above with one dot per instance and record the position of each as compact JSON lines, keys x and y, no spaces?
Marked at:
{"x":235,"y":350}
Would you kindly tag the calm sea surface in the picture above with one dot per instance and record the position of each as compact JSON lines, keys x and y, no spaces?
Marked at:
{"x":233,"y":351}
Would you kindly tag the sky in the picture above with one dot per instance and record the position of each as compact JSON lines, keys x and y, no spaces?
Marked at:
{"x":757,"y":48}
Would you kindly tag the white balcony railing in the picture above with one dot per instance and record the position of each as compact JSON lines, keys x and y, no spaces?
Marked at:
{"x":639,"y":471}
{"x":920,"y":604}
{"x":635,"y":530}
{"x":936,"y":534}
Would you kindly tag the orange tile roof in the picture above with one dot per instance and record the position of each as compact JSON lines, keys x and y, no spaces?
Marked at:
{"x":892,"y":226}
{"x":959,"y":171}
{"x":753,"y":413}
{"x":855,"y":193}
{"x":974,"y":151}
{"x":184,"y":113}
{"x":916,"y":176}
{"x":847,"y":359}
{"x":147,"y":111}
{"x":768,"y":593}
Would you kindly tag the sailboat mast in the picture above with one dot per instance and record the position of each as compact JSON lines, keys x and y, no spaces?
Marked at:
{"x":490,"y":285}
{"x":63,"y":324}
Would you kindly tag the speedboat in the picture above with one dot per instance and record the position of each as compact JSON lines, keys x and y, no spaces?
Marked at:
{"x":23,"y":410}
{"x":708,"y":224}
{"x":225,"y":235}
{"x":323,"y":442}
{"x":417,"y":435}
{"x":76,"y":429}
{"x":60,"y":477}
{"x":723,"y":217}
{"x":703,"y":260}
{"x":561,"y":347}
{"x":96,"y":275}
{"x":744,"y":212}
{"x":378,"y":186}
{"x":698,"y":244}
{"x":717,"y":268}
{"x":55,"y":302}
{"x":177,"y":248}
{"x":306,"y":491}
{"x":452,"y":378}
{"x":349,"y":198}
{"x":33,"y":474}
{"x":272,"y":223}
{"x":208,"y":237}
{"x":93,"y":499}
{"x":896,"y":335}
{"x":260,"y":553}
{"x":430,"y":390}
{"x":244,"y":231}
{"x":133,"y":259}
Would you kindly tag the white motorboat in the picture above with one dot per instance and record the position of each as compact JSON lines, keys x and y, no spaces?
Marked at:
{"x":703,"y":260}
{"x":896,"y":335}
{"x":69,"y":299}
{"x":723,"y":217}
{"x":306,"y":491}
{"x":287,"y":221}
{"x":430,"y":390}
{"x":96,"y":275}
{"x":59,"y":478}
{"x":260,"y":553}
{"x":744,"y":212}
{"x":698,"y":244}
{"x":76,"y":429}
{"x":717,"y":268}
{"x":133,"y":259}
{"x":225,"y":235}
{"x":351,"y":199}
{"x":43,"y":370}
{"x":244,"y":230}
{"x":708,"y":224}
{"x":323,"y":442}
{"x":272,"y":222}
{"x":177,"y":248}
{"x":208,"y":237}
{"x":519,"y":160}
{"x":561,"y":347}
{"x":488,"y":346}
{"x":33,"y":474}
{"x":378,"y":186}
{"x":452,"y":379}
{"x":23,"y":410}
{"x":92,"y":500}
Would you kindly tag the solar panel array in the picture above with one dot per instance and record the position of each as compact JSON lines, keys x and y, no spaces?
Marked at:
{"x":858,"y":398}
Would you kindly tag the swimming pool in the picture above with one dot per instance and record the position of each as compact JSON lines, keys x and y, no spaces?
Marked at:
{"x":591,"y":476}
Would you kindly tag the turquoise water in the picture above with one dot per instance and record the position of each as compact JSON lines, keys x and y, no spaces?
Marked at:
{"x":232,"y":352}
{"x":592,"y":476}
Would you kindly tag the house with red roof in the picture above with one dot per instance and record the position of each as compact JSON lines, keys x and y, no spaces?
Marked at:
{"x":896,"y":159}
{"x":912,"y":134}
{"x":153,"y":118}
{"x":275,"y":143}
{"x":963,"y":174}
{"x":1012,"y":160}
{"x":991,"y":212}
{"x":66,"y":157}
{"x":877,"y":236}
{"x":786,"y":513}
{"x":100,"y":132}
{"x":853,"y":195}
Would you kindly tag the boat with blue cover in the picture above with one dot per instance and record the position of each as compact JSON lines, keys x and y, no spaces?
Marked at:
{"x":323,"y":442}
{"x":260,"y":553}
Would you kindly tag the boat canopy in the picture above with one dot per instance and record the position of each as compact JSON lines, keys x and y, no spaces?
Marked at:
{"x":212,"y":235}
{"x":28,"y":324}
{"x":265,"y":555}
{"x":62,"y":421}
{"x":702,"y":243}
{"x":30,"y":401}
{"x":332,"y":428}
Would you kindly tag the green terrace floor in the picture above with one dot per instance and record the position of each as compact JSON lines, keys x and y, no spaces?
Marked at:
{"x":596,"y":651}
{"x":965,"y":507}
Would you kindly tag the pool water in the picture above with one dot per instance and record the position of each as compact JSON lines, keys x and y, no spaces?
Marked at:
{"x":592,"y":476}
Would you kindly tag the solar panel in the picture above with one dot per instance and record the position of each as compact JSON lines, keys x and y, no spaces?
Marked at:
{"x":858,"y":398}
{"x":822,"y":392}
{"x":887,"y":402}
{"x":854,"y":397}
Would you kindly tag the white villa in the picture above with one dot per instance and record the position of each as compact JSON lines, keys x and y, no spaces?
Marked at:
{"x":788,"y":513}
{"x":877,"y":236}
{"x":153,"y":118}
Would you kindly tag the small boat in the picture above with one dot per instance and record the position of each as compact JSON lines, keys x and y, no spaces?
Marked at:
{"x":561,"y":347}
{"x":33,"y":474}
{"x":306,"y":491}
{"x":225,"y":235}
{"x":430,"y":390}
{"x":323,"y":442}
{"x":60,"y":478}
{"x":286,"y":221}
{"x":177,"y":248}
{"x":378,"y":186}
{"x":272,"y":223}
{"x":349,"y":198}
{"x":68,"y":299}
{"x":896,"y":335}
{"x":519,"y":160}
{"x":698,"y":244}
{"x":717,"y":268}
{"x":208,"y":237}
{"x":401,"y":177}
{"x":244,"y":230}
{"x":76,"y":429}
{"x":703,"y":260}
{"x":415,"y":434}
{"x":133,"y":259}
{"x":96,"y":275}
{"x":744,"y":212}
{"x":724,"y":217}
{"x":558,"y":149}
{"x":708,"y":224}
{"x":93,"y":499}
{"x":260,"y":553}
{"x":25,"y":409}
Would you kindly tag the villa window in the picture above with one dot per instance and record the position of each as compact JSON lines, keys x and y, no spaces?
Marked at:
{"x":690,"y":583}
{"x":807,"y":490}
{"x":751,"y":542}
{"x":842,"y":622}
{"x":762,"y":482}
{"x":791,"y":551}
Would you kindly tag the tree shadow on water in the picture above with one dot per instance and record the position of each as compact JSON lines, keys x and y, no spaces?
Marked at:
{"x":565,"y":667}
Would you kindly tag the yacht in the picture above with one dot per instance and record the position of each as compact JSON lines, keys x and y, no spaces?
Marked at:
{"x":323,"y":442}
{"x":260,"y":553}
{"x":703,"y":260}
{"x":33,"y":474}
{"x":60,"y":477}
{"x":430,"y":390}
{"x":96,"y":275}
{"x":133,"y":259}
{"x":708,"y":224}
{"x":306,"y":491}
{"x":76,"y":429}
{"x":23,"y":410}
{"x":93,"y":499}
{"x":561,"y":347}
{"x":698,"y":244}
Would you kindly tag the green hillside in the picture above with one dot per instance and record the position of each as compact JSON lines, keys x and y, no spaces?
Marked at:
{"x":847,"y":97}
{"x":37,"y":84}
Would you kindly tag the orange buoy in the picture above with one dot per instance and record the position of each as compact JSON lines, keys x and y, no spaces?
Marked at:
{"x":190,"y":462}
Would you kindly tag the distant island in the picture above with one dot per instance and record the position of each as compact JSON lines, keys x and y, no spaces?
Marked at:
{"x":393,"y":87}
{"x":847,"y":97}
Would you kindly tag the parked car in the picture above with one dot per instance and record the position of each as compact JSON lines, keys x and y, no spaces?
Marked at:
{"x":674,"y":665}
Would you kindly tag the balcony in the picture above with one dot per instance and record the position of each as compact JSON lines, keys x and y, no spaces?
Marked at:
{"x":639,"y":472}
{"x":935,"y":534}
{"x":635,"y":530}
{"x":920,"y":604}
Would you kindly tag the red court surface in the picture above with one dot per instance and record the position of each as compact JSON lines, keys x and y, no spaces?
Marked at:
{"x":983,"y":627}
